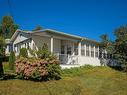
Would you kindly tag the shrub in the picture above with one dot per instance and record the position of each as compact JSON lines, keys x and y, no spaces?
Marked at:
{"x":43,"y":53}
{"x":23,"y":53}
{"x":12,"y":60}
{"x":37,"y":69}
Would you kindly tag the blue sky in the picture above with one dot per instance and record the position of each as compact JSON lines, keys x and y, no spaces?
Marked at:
{"x":87,"y":18}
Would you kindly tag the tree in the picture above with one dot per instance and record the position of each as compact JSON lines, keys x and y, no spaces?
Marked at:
{"x":2,"y":53}
{"x":118,"y":47}
{"x":12,"y":60}
{"x":7,"y":27}
{"x":105,"y":44}
{"x":38,"y":28}
{"x":2,"y":46}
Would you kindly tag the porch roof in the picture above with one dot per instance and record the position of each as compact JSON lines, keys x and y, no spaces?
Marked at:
{"x":53,"y":32}
{"x":64,"y":34}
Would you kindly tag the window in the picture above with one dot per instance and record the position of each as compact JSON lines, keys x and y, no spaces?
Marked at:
{"x":87,"y":50}
{"x":96,"y":51}
{"x":92,"y":51}
{"x":76,"y":49}
{"x":68,"y":50}
{"x":62,"y":49}
{"x":82,"y":50}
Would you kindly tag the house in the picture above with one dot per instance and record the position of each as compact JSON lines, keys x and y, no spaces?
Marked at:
{"x":72,"y":51}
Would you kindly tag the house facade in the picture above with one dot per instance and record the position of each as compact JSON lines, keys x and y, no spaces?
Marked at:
{"x":71,"y":50}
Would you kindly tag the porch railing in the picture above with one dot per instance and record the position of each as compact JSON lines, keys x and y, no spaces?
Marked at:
{"x":67,"y":59}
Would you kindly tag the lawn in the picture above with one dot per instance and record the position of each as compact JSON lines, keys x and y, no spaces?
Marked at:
{"x":77,"y":81}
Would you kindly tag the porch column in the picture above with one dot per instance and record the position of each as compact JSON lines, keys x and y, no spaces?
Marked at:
{"x":85,"y":48}
{"x":90,"y":50}
{"x":79,"y":48}
{"x":94,"y":51}
{"x":98,"y":52}
{"x":73,"y":49}
{"x":51,"y":44}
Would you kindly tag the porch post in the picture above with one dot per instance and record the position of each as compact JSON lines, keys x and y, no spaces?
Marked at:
{"x":85,"y":48}
{"x":79,"y":48}
{"x":73,"y":49}
{"x":51,"y":44}
{"x":94,"y":51}
{"x":90,"y":50}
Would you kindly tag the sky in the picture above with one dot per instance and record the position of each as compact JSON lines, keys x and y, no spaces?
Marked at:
{"x":86,"y":18}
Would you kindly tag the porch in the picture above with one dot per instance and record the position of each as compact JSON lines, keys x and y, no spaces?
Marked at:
{"x":66,"y":49}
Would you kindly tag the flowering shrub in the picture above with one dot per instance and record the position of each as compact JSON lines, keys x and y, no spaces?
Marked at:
{"x":37,"y":69}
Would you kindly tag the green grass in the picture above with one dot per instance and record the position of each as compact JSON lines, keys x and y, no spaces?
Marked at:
{"x":77,"y":81}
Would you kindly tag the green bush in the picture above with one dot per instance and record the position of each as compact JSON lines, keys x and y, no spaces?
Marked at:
{"x":12,"y":60}
{"x":43,"y":53}
{"x":23,"y":53}
{"x":54,"y":71}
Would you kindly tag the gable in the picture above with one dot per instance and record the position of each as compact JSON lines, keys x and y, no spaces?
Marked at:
{"x":21,"y":37}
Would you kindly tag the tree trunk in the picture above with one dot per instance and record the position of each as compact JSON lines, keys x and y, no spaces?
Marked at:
{"x":1,"y":67}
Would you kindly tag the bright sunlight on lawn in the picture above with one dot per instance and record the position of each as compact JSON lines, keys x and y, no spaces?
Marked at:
{"x":77,"y":81}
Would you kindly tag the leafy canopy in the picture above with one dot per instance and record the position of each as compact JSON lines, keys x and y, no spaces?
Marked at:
{"x":118,"y":47}
{"x":7,"y":26}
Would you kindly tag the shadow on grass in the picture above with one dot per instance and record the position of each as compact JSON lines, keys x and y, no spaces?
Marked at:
{"x":118,"y":68}
{"x":8,"y":76}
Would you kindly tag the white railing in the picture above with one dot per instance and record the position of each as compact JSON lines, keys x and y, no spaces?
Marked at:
{"x":68,"y":59}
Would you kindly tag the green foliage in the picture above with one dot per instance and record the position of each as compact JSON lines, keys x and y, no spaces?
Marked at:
{"x":38,"y":28}
{"x":2,"y":46}
{"x":104,"y":41}
{"x":76,"y":71}
{"x":36,"y":75}
{"x":43,"y":53}
{"x":12,"y":60}
{"x":1,"y":67}
{"x":2,"y":54}
{"x":23,"y":53}
{"x":8,"y":27}
{"x":106,"y":44}
{"x":118,"y":47}
{"x":32,"y":52}
{"x":54,"y":71}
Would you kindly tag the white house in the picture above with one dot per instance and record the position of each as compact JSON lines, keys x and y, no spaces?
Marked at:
{"x":72,"y":50}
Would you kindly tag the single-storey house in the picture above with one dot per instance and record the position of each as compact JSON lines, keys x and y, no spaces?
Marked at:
{"x":71,"y":50}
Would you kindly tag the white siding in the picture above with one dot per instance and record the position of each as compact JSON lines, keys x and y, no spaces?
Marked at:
{"x":40,"y":40}
{"x":82,"y":60}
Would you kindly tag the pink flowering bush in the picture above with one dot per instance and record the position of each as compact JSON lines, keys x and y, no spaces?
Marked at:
{"x":38,"y":69}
